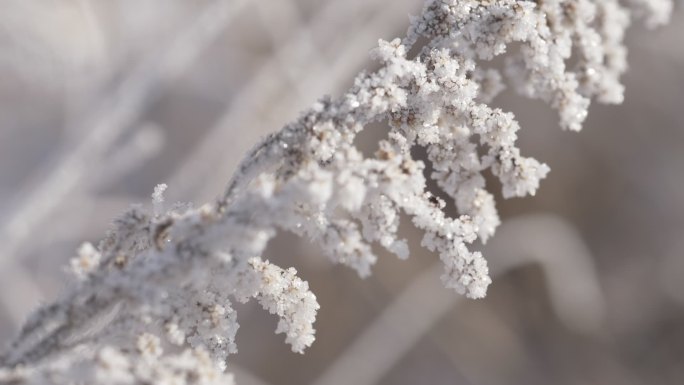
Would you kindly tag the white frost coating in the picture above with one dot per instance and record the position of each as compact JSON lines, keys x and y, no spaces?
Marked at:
{"x":87,"y":260}
{"x":165,"y":281}
{"x":111,"y":366}
{"x":289,"y":297}
{"x":158,"y":198}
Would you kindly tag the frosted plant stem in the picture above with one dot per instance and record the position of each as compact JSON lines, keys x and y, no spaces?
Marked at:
{"x":175,"y":273}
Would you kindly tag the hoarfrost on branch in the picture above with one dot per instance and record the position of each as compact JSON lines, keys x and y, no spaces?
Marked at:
{"x":164,"y":282}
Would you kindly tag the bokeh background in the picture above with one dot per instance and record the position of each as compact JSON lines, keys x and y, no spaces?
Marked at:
{"x":102,"y":100}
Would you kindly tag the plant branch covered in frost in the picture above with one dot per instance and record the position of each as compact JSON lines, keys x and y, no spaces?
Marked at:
{"x":153,"y":302}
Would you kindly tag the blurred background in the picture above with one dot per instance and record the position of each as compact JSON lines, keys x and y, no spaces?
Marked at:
{"x":101,"y":100}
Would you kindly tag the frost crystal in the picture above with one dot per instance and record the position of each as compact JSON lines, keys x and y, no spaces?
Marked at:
{"x":158,"y":198}
{"x":164,"y":282}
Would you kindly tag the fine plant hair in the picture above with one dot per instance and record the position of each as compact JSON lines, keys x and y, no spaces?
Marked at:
{"x":153,"y":301}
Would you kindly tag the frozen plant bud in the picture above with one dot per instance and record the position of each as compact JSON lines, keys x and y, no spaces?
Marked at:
{"x":87,"y":260}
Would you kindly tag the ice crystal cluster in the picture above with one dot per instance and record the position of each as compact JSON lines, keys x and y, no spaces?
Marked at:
{"x":153,"y":301}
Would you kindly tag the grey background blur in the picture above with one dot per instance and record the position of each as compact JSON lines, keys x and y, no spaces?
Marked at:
{"x":102,"y":100}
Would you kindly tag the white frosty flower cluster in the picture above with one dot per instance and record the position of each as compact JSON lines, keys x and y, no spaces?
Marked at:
{"x":164,"y":283}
